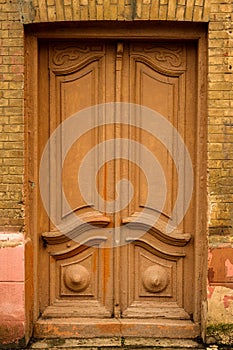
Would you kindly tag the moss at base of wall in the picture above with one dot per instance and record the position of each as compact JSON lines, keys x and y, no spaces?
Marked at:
{"x":221,"y":334}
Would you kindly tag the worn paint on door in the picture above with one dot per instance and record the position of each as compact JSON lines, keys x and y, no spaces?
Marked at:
{"x":143,"y":285}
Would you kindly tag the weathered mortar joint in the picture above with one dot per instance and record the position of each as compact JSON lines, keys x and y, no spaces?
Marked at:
{"x":27,"y":11}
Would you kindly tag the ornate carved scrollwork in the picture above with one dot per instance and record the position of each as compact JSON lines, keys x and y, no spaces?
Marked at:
{"x":167,"y":56}
{"x":172,"y":56}
{"x":63,"y":54}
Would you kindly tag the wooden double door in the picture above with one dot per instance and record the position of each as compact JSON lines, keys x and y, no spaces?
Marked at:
{"x":122,"y":271}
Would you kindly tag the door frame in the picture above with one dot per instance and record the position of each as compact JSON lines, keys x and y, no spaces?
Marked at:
{"x":169,"y":31}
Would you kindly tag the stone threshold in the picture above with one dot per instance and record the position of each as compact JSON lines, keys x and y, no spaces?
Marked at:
{"x":115,"y":343}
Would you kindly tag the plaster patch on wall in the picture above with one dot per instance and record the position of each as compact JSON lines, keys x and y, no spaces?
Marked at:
{"x":11,"y":239}
{"x":229,"y":268}
{"x":220,"y":267}
{"x":220,"y":305}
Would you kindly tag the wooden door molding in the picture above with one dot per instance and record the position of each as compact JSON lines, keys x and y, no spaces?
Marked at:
{"x":167,"y":260}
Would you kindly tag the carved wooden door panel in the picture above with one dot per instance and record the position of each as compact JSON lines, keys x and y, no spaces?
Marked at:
{"x":78,"y":274}
{"x":148,"y":273}
{"x":157,"y":269}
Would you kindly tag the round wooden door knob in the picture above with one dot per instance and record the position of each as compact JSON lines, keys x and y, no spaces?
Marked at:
{"x":155,"y":279}
{"x":76,"y":278}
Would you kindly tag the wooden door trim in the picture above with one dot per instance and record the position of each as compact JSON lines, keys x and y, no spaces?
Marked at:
{"x":107,"y":30}
{"x":153,"y":30}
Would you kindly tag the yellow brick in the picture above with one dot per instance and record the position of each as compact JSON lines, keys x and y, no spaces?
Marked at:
{"x":216,"y":26}
{"x":120,"y":9}
{"x":16,"y":102}
{"x":4,"y":34}
{"x":16,"y":170}
{"x":225,"y":8}
{"x":12,"y":161}
{"x":12,"y":25}
{"x":15,"y":85}
{"x":92,"y":9}
{"x":76,"y":9}
{"x":100,"y":13}
{"x":59,"y":10}
{"x":228,"y":77}
{"x":16,"y":120}
{"x":180,"y":13}
{"x":215,"y":147}
{"x":3,"y":16}
{"x":197,"y":13}
{"x":3,"y":102}
{"x":163,"y":12}
{"x":219,"y":34}
{"x":12,"y":153}
{"x":139,"y":9}
{"x":12,"y":42}
{"x":68,"y":13}
{"x":43,"y":11}
{"x":206,"y":11}
{"x":13,"y":77}
{"x":15,"y":33}
{"x":219,"y":95}
{"x":106,"y":5}
{"x":220,"y":86}
{"x":13,"y":94}
{"x":214,"y":8}
{"x":216,"y":77}
{"x":128,"y":13}
{"x":113,"y":12}
{"x":154,"y":11}
{"x":217,"y":68}
{"x":3,"y":137}
{"x":213,"y":43}
{"x":171,"y":10}
{"x":16,"y":51}
{"x":12,"y":179}
{"x":84,"y":13}
{"x":12,"y":111}
{"x":4,"y":85}
{"x":145,"y":11}
{"x":51,"y":13}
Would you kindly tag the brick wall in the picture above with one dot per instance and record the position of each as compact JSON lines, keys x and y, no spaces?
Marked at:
{"x":11,"y":117}
{"x":221,"y":121}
